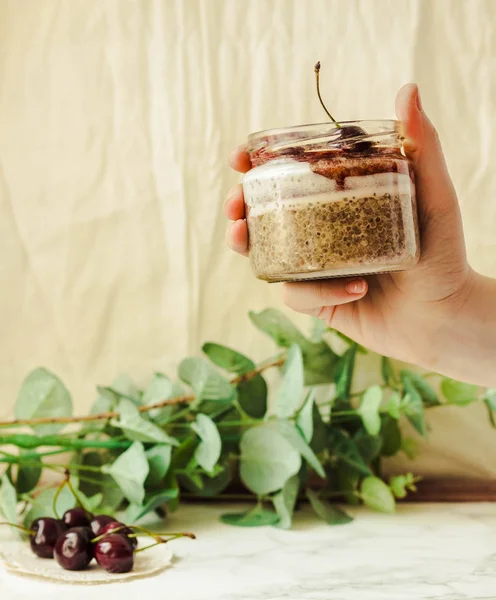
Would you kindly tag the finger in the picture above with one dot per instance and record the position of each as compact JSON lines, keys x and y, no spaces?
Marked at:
{"x":237,"y":237}
{"x":422,"y":146}
{"x":234,"y":206}
{"x":314,"y":295}
{"x":240,"y":160}
{"x":439,"y":213}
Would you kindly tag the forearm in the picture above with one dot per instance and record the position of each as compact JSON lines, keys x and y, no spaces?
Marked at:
{"x":467,"y":343}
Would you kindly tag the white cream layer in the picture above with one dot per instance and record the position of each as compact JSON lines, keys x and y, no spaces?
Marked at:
{"x":294,"y":184}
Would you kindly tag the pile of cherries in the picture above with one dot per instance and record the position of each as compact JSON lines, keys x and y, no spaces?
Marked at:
{"x":79,"y":537}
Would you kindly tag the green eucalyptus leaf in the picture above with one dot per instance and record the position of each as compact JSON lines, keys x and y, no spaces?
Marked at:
{"x":329,"y":513}
{"x":318,"y":330}
{"x":346,"y":479}
{"x":162,"y":415}
{"x":459,"y":393}
{"x":159,"y":389}
{"x":206,"y":381}
{"x":257,"y":517}
{"x":209,"y":486}
{"x":159,"y":459}
{"x":138,"y":429}
{"x":112,"y":495}
{"x":320,"y":429}
{"x":208,"y":451}
{"x":42,"y":394}
{"x":410,"y":447}
{"x":8,"y":500}
{"x":304,"y":419}
{"x":27,"y":476}
{"x":268,"y":460}
{"x":228,"y":359}
{"x":414,"y":407}
{"x":171,"y":483}
{"x":368,"y":445}
{"x":289,"y":395}
{"x":319,"y":363}
{"x":252,"y":396}
{"x":318,"y":358}
{"x":284,"y":502}
{"x":130,"y":471}
{"x":252,"y":393}
{"x":103,"y":403}
{"x":184,"y":453}
{"x":42,"y":505}
{"x":125,"y":387}
{"x":391,"y":436}
{"x":369,"y":409}
{"x":400,"y":485}
{"x":344,"y":372}
{"x":387,"y":370}
{"x":91,"y":504}
{"x":275,"y":324}
{"x":345,"y":449}
{"x":490,"y":402}
{"x":348,"y":340}
{"x":294,"y":437}
{"x":393,"y":406}
{"x":377,"y":495}
{"x":136,"y":511}
{"x":423,"y":387}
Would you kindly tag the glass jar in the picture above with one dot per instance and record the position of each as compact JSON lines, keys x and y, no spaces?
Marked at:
{"x":330,"y":200}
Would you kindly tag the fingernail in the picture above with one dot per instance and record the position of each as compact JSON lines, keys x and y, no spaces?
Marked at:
{"x":356,"y":287}
{"x":419,"y":101}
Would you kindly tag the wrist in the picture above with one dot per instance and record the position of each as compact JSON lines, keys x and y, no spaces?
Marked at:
{"x":467,"y":347}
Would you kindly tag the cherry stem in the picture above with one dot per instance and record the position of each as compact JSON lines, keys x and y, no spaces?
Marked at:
{"x":56,"y":497}
{"x":160,"y":540}
{"x":77,"y":497}
{"x":317,"y":71}
{"x":156,"y":536}
{"x":149,"y":546}
{"x":25,"y":529}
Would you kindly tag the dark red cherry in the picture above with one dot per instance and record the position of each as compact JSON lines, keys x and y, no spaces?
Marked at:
{"x":114,"y":553}
{"x":75,"y":517}
{"x":353,"y":131}
{"x":98,"y":522}
{"x":46,"y":531}
{"x":123,"y":530}
{"x":74,"y":550}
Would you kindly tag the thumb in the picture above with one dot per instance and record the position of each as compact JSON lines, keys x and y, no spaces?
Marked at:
{"x":439,"y":213}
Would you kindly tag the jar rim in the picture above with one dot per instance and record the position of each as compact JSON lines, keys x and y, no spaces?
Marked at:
{"x":311,"y":131}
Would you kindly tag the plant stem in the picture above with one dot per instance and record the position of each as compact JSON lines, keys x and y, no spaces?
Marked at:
{"x":225,"y":423}
{"x":73,"y":491}
{"x":20,"y":527}
{"x":186,"y":399}
{"x":343,"y":413}
{"x":29,"y":442}
{"x":339,"y":494}
{"x":56,"y":497}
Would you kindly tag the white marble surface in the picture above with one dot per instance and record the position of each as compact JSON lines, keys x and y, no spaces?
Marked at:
{"x":441,"y":552}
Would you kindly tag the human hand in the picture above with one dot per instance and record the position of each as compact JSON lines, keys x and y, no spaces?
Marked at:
{"x":407,"y":315}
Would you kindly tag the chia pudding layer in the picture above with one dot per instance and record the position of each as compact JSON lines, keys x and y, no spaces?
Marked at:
{"x":331,"y":214}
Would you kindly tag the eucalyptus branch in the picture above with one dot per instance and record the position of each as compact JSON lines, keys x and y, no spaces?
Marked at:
{"x":112,"y":414}
{"x":232,"y":440}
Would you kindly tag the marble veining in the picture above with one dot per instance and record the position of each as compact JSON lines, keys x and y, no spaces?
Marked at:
{"x":424,"y":552}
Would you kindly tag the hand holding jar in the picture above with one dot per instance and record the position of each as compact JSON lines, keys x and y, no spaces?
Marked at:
{"x":307,"y":222}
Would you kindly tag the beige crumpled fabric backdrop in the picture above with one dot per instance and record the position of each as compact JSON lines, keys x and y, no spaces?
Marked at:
{"x":116,"y":120}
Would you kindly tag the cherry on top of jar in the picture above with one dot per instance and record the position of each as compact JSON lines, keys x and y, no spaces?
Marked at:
{"x":327,"y":140}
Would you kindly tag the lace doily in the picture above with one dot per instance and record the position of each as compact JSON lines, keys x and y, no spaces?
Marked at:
{"x":18,"y":558}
